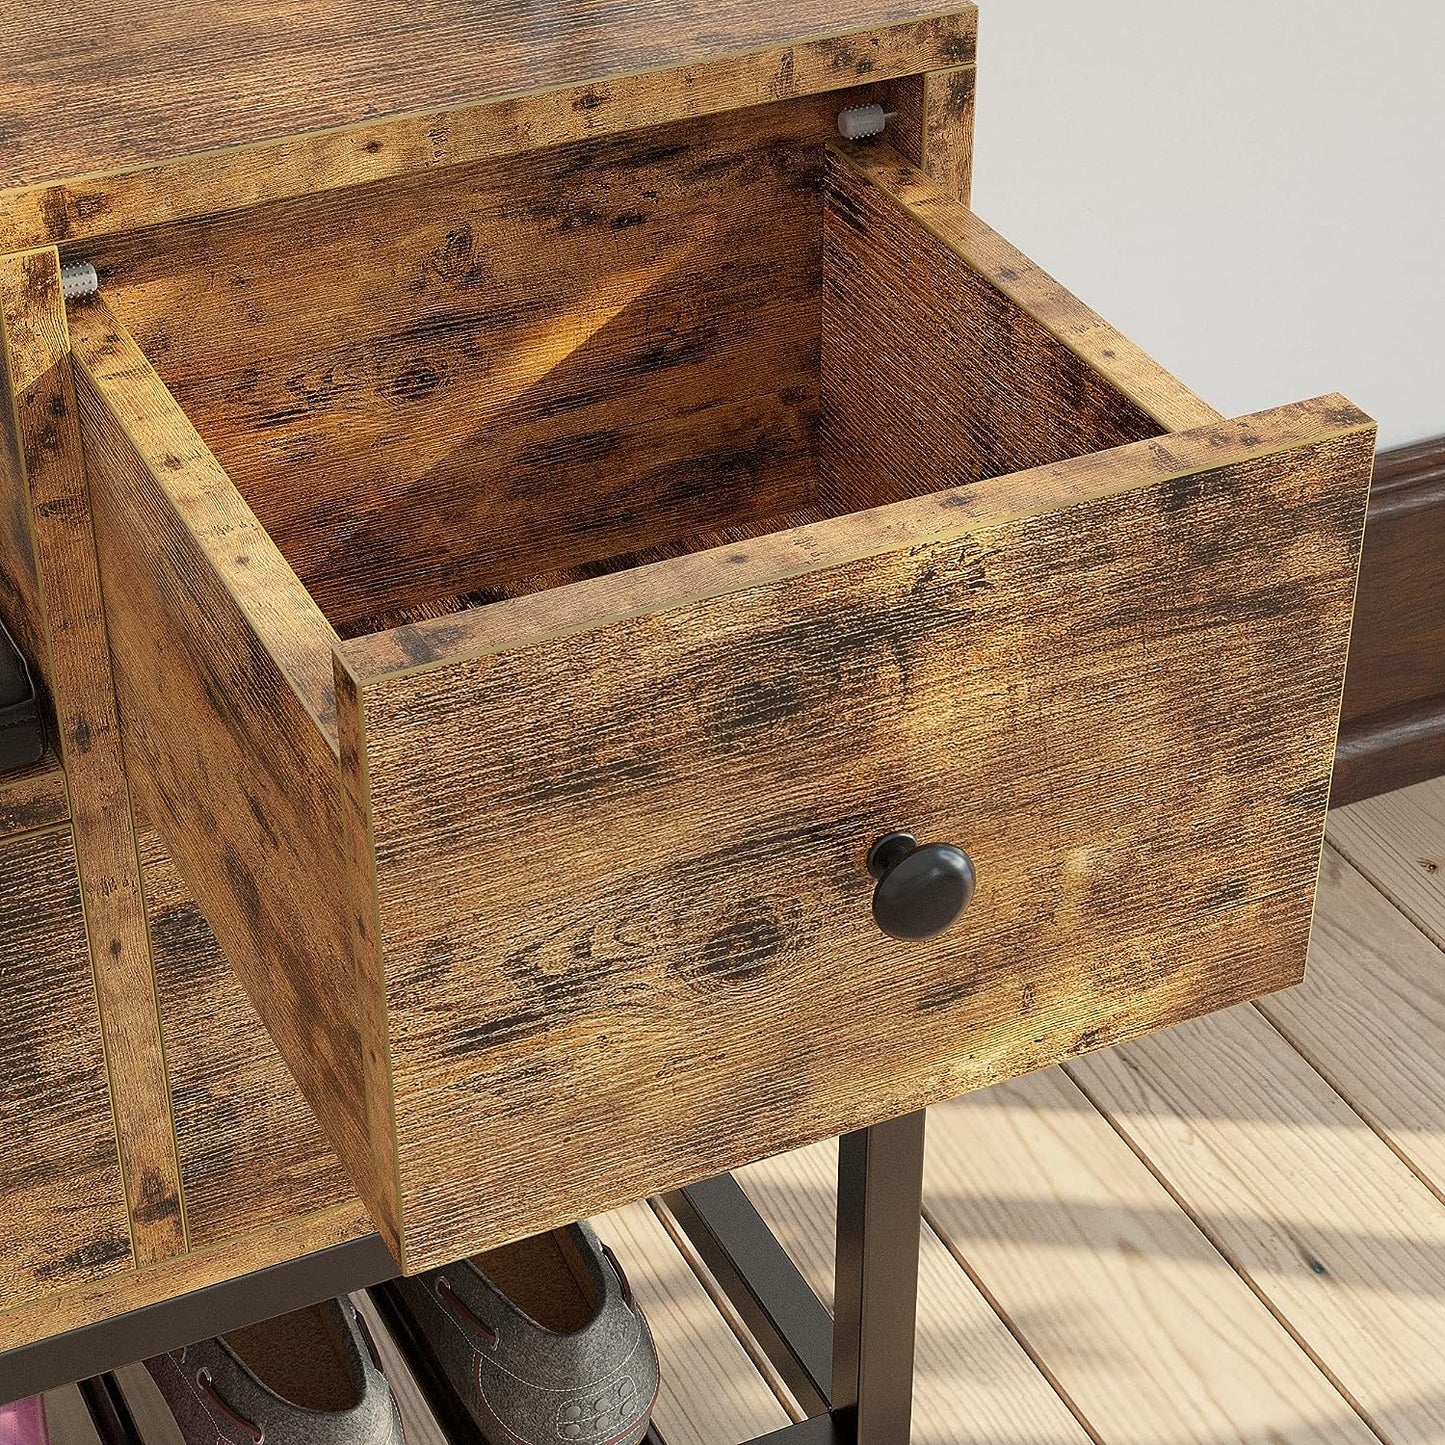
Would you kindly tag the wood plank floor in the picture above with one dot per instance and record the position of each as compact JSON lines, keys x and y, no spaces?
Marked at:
{"x":1233,"y":1230}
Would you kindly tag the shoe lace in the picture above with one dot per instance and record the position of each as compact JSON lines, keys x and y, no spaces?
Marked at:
{"x":460,"y":1307}
{"x":208,"y":1387}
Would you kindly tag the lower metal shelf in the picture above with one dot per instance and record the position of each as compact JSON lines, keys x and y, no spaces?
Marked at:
{"x":852,"y":1371}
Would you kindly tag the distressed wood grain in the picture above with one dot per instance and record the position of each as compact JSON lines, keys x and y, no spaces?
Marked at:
{"x":223,"y":674}
{"x":35,"y":797}
{"x":223,"y":111}
{"x":932,"y":126}
{"x":1077,"y":670}
{"x":279,"y":1240}
{"x":20,"y":605}
{"x":64,"y":1220}
{"x":973,"y":341}
{"x":1089,"y":689}
{"x":74,"y":660}
{"x":251,"y":1152}
{"x":443,"y":385}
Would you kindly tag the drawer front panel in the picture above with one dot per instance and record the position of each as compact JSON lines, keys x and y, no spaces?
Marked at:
{"x":623,"y":913}
{"x":64,"y":1218}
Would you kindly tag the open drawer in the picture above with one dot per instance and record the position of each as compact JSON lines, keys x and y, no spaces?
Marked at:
{"x":525,"y":749}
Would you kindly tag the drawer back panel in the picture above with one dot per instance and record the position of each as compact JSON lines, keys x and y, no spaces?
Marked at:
{"x":442,"y":384}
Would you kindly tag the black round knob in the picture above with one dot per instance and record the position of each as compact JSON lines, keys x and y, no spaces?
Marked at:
{"x":921,"y":891}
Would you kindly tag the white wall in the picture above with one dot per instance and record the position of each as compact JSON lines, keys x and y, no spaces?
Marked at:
{"x":1251,"y":191}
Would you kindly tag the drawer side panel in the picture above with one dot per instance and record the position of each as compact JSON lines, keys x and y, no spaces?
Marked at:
{"x":947,"y":355}
{"x":223,"y":680}
{"x":251,"y":1151}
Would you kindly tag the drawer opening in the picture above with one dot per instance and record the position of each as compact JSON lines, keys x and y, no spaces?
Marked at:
{"x":444,"y":391}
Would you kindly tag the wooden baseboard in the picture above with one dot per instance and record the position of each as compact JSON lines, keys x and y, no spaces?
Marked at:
{"x":1392,"y":731}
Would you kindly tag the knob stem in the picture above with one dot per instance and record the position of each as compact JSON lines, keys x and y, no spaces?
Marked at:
{"x":890,"y":850}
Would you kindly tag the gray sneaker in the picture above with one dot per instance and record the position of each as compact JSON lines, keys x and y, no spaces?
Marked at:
{"x":306,"y":1378}
{"x":542,"y":1341}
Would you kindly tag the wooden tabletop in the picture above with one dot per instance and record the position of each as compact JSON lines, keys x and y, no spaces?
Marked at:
{"x":95,"y":87}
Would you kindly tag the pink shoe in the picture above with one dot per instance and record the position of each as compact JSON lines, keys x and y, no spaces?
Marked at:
{"x":23,"y":1423}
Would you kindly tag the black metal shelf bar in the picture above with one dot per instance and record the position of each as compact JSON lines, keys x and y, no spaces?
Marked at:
{"x":169,"y":1324}
{"x":109,"y":1412}
{"x":790,"y":1323}
{"x":853,"y":1373}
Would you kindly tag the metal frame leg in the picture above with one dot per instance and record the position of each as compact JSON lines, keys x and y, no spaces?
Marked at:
{"x":108,"y":1411}
{"x":864,"y":1394}
{"x":875,"y":1305}
{"x":790,"y":1323}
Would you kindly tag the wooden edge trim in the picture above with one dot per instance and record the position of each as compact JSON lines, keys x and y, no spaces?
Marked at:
{"x":247,"y":562}
{"x":933,"y":123}
{"x":1409,"y":477}
{"x":86,"y":1304}
{"x":1393,"y":733}
{"x":1128,"y":369}
{"x":1389,"y":750}
{"x":235,"y":178}
{"x":372,"y":1013}
{"x":39,"y":359}
{"x":661,"y":587}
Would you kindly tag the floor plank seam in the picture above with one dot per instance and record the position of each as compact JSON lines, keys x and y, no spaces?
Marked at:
{"x":1019,"y":1338}
{"x":1219,"y":1248}
{"x":1261,"y":1007}
{"x":724,"y":1307}
{"x":1405,"y":912}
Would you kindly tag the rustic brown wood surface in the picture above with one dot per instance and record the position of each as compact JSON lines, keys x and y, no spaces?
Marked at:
{"x":932,"y":126}
{"x":114,"y":124}
{"x":1080,"y":673}
{"x":280,"y":1240}
{"x":1392,"y":732}
{"x":442,"y":385}
{"x":974,"y":341}
{"x":75,"y":663}
{"x":1062,"y":1270}
{"x":33,"y":798}
{"x":675,"y":548}
{"x":20,"y":605}
{"x":64,"y":1217}
{"x":222,"y":669}
{"x":251,"y":1152}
